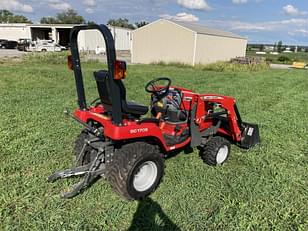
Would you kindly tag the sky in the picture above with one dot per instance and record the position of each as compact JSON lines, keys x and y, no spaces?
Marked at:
{"x":261,"y":21}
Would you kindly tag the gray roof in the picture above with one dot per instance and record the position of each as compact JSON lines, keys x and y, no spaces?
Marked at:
{"x":200,"y":29}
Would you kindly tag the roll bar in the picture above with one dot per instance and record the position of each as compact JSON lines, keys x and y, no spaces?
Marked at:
{"x":111,"y":59}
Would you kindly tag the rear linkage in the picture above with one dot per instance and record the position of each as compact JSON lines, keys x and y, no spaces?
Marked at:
{"x":90,"y":171}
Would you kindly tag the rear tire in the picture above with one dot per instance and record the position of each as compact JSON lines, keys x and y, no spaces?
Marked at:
{"x":135,"y":171}
{"x":216,"y":151}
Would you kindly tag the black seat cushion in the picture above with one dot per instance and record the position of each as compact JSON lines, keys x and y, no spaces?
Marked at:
{"x":133,"y":108}
{"x":128,"y":107}
{"x":102,"y":86}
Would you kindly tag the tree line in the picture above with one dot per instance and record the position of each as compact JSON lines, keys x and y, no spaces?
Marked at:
{"x":276,"y":47}
{"x":69,"y":16}
{"x":8,"y":17}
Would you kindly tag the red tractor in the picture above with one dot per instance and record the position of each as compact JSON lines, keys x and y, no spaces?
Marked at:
{"x":127,"y":147}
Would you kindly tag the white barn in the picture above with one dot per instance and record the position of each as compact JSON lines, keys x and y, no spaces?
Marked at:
{"x":183,"y":42}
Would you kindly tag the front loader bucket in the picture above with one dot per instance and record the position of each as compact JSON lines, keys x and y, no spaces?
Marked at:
{"x":250,"y":135}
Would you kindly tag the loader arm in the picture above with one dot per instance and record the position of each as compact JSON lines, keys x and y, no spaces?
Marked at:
{"x":244,"y":134}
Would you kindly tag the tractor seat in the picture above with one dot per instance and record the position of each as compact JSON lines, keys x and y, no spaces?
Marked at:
{"x":133,"y":108}
{"x":128,"y":107}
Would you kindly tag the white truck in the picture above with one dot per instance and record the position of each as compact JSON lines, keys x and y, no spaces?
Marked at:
{"x":45,"y":45}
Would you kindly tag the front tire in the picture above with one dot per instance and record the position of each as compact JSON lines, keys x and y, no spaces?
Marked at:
{"x":216,"y":151}
{"x":135,"y":170}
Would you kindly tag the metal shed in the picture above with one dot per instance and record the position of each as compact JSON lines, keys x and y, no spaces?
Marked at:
{"x":88,"y":40}
{"x":91,"y":39}
{"x":173,"y":41}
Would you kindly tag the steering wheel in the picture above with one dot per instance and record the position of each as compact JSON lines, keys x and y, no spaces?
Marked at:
{"x":157,"y":89}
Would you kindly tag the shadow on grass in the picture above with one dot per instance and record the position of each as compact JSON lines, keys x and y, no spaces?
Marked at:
{"x":150,"y":216}
{"x":172,"y":154}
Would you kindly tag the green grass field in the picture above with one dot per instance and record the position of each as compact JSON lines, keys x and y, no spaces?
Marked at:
{"x":261,"y":189}
{"x":292,"y":57}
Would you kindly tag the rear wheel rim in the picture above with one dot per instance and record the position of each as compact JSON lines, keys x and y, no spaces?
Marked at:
{"x":145,"y":176}
{"x":222,"y":154}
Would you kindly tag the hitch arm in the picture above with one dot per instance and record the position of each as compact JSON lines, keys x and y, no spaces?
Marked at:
{"x":90,"y":171}
{"x":81,"y":170}
{"x":91,"y":129}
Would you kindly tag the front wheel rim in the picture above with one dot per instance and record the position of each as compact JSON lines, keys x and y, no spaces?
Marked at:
{"x":222,"y":154}
{"x":145,"y":176}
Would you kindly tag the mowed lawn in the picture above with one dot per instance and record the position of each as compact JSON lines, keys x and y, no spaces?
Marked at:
{"x":261,"y":189}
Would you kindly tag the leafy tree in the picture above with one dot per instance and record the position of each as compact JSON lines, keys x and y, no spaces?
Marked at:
{"x":48,"y":20}
{"x":121,"y":22}
{"x":70,"y":17}
{"x":279,"y":46}
{"x":284,"y":59}
{"x":5,"y":14}
{"x":67,"y":17}
{"x":141,"y":24}
{"x":124,"y":22}
{"x":91,"y":22}
{"x":8,"y":17}
{"x":262,"y":47}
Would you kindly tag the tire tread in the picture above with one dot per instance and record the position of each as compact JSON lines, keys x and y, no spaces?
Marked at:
{"x":117,"y":172}
{"x":209,"y":152}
